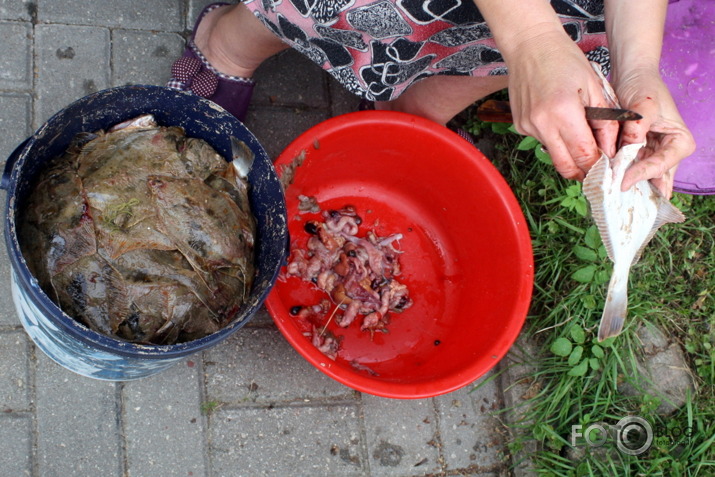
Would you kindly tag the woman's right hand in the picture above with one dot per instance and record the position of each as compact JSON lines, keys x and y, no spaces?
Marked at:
{"x":550,"y":83}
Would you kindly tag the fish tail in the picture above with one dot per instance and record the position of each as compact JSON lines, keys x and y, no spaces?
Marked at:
{"x":614,"y":312}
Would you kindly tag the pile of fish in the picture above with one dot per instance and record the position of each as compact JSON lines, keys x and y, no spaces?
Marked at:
{"x":142,"y":233}
{"x":359,"y":274}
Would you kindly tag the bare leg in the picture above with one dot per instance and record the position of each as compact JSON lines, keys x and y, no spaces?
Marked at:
{"x":235,"y":42}
{"x":440,"y":98}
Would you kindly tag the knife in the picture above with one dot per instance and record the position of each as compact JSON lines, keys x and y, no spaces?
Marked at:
{"x":495,"y":111}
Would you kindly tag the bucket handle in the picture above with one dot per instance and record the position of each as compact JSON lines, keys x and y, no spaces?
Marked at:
{"x":10,"y":163}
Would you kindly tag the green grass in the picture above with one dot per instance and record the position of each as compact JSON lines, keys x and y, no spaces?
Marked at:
{"x":208,"y":407}
{"x":577,"y":378}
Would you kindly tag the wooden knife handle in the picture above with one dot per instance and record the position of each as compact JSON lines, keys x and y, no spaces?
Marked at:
{"x":494,"y":111}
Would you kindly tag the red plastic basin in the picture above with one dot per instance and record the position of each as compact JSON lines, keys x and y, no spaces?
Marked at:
{"x":467,"y":253}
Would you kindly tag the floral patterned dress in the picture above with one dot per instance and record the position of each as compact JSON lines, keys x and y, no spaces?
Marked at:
{"x":378,"y":48}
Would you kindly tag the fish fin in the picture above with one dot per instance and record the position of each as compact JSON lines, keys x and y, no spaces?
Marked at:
{"x":607,"y":89}
{"x":594,"y":191}
{"x":614,"y":311}
{"x":242,"y":157}
{"x":667,"y":214}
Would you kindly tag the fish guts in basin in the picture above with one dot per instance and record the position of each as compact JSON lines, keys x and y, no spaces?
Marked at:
{"x":142,"y":234}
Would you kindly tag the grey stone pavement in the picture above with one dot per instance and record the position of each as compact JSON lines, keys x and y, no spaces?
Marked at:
{"x":251,"y":405}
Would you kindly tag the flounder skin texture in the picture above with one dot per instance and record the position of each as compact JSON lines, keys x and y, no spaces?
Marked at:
{"x":142,"y":234}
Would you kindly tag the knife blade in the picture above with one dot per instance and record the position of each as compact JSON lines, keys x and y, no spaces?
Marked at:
{"x":495,"y":111}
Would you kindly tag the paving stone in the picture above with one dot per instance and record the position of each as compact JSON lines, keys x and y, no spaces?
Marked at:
{"x":15,"y":10}
{"x":661,"y":372}
{"x":195,"y":7}
{"x":77,"y":423}
{"x":16,"y":60}
{"x":293,"y":440}
{"x":73,"y":62}
{"x":342,"y":101}
{"x":401,"y":436}
{"x":14,"y":122}
{"x":163,"y":425}
{"x":140,"y":57}
{"x":16,"y":439}
{"x":519,"y":367}
{"x":135,"y":14}
{"x":263,"y":121}
{"x":261,"y":318}
{"x":14,"y":372}
{"x":652,"y":339}
{"x":290,"y":78}
{"x":471,"y":434}
{"x":258,"y":365}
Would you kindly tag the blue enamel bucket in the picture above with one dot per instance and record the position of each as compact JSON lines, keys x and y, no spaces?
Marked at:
{"x":70,"y":343}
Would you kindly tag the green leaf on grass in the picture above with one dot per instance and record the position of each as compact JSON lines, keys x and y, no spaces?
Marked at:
{"x":585,"y":253}
{"x":592,"y":238}
{"x":543,"y":156}
{"x":574,"y":190}
{"x":579,"y":370}
{"x":589,"y":301}
{"x":597,"y":351}
{"x":561,"y":347}
{"x":575,"y":355}
{"x":568,"y":202}
{"x":601,"y":277}
{"x":577,"y":333}
{"x":501,"y":128}
{"x":581,"y":207}
{"x":584,"y":274}
{"x":527,"y":144}
{"x":608,"y":342}
{"x":602,"y":252}
{"x":594,"y":363}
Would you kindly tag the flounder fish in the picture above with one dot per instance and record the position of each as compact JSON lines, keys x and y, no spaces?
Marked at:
{"x":142,"y":233}
{"x":626,"y":221}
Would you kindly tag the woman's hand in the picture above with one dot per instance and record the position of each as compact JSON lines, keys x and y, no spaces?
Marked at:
{"x":550,"y":83}
{"x":668,"y":140}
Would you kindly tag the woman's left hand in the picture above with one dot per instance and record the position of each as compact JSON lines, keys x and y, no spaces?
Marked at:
{"x":667,"y":138}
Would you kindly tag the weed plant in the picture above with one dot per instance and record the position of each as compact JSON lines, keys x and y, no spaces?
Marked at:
{"x":578,"y":379}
